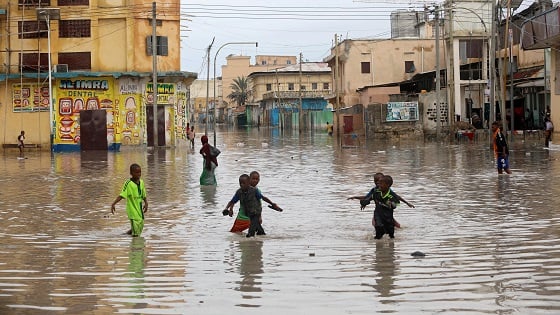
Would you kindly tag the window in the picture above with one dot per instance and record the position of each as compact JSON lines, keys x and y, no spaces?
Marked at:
{"x":73,"y":2}
{"x":325,"y":85}
{"x":288,"y":62}
{"x":32,"y":29}
{"x":76,"y":60}
{"x":34,"y":3}
{"x":269,"y":87}
{"x":313,"y":86}
{"x":33,"y":62}
{"x":302,"y":87}
{"x":290,"y":86}
{"x":161,"y":46}
{"x":263,"y":62}
{"x":409,"y":67}
{"x":74,"y":28}
{"x":366,"y":67}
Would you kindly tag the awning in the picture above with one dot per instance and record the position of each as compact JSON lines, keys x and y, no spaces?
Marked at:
{"x":534,"y":83}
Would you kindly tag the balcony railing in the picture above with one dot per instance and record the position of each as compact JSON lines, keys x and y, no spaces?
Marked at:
{"x":296,"y":94}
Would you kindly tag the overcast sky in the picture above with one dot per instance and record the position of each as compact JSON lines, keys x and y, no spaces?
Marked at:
{"x":281,"y":27}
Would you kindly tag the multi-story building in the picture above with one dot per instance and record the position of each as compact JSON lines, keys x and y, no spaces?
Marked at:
{"x":240,"y":66}
{"x":99,"y":56}
{"x":283,"y":92}
{"x":201,"y":91}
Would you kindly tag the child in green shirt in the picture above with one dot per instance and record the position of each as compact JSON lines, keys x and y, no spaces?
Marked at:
{"x":134,"y":191}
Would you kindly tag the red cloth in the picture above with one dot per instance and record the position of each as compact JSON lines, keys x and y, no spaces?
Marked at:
{"x":240,"y":225}
{"x":205,"y":151}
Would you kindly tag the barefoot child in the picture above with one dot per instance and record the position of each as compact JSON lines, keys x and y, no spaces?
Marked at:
{"x":242,"y":221}
{"x":134,"y":192}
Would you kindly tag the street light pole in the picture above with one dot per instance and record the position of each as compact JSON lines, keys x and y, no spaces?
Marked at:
{"x":49,"y":14}
{"x":214,"y":98}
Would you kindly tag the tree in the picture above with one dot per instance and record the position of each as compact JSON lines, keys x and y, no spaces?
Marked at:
{"x":240,"y":90}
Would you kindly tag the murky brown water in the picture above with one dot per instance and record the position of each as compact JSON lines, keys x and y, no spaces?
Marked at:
{"x":492,"y":242}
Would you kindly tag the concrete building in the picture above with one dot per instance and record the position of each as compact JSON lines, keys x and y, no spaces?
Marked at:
{"x":198,"y":97}
{"x":370,"y":63}
{"x":277,"y":96}
{"x":101,"y":90}
{"x":238,"y":66}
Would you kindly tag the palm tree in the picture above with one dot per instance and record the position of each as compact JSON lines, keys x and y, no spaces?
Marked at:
{"x":240,"y":90}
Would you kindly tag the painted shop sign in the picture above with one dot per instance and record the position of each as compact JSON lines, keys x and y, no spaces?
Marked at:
{"x":30,"y":97}
{"x":72,"y":96}
{"x":165,"y":93}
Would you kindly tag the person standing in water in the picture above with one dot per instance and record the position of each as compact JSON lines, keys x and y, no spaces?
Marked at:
{"x":501,"y":151}
{"x":207,"y":177}
{"x":20,"y":140}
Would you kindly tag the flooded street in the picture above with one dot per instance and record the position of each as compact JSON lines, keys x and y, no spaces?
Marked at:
{"x":491,"y":242}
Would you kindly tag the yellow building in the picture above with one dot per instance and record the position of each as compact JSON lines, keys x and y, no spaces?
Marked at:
{"x":100,"y":54}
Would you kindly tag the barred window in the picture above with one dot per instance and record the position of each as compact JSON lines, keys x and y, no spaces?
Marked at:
{"x":33,"y":62}
{"x":74,"y":28}
{"x":76,"y":60}
{"x":32,"y":29}
{"x":73,"y":2}
{"x":33,"y":3}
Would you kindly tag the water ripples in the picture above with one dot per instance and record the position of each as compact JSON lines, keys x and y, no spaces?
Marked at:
{"x":491,"y":242}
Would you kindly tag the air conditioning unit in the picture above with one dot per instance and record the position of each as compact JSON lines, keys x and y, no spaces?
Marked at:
{"x":61,"y":68}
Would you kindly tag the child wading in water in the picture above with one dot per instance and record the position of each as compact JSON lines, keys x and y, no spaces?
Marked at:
{"x":385,"y":202}
{"x":134,"y":192}
{"x":20,"y":139}
{"x":249,"y":198}
{"x":242,"y":221}
{"x":365,"y":200}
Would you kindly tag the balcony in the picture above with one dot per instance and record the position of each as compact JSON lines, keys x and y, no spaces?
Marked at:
{"x":541,"y":31}
{"x":296,"y":94}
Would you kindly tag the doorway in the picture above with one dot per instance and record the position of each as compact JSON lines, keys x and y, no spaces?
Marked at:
{"x":160,"y":125}
{"x":93,"y":130}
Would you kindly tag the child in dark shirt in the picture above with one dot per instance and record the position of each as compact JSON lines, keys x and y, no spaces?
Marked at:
{"x":249,"y":198}
{"x":385,"y":203}
{"x":365,"y":200}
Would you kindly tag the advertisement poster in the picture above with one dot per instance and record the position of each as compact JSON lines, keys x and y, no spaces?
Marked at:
{"x":74,"y":95}
{"x":402,"y":111}
{"x":30,"y":97}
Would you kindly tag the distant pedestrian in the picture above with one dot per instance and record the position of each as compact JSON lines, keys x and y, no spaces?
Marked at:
{"x":549,"y":129}
{"x":134,"y":191}
{"x":329,"y":129}
{"x":192,"y":136}
{"x":21,"y":145}
{"x":501,"y":151}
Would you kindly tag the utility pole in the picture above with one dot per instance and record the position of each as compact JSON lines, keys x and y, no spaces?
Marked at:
{"x":492,"y":77}
{"x":438,"y":77}
{"x":300,"y":108}
{"x":154,"y":75}
{"x":504,"y":78}
{"x":336,"y":74}
{"x":208,"y":85}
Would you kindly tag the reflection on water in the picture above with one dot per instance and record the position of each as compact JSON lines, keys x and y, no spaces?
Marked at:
{"x":491,"y":242}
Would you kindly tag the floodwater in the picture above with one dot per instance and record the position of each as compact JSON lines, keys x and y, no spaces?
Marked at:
{"x":491,"y":242}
